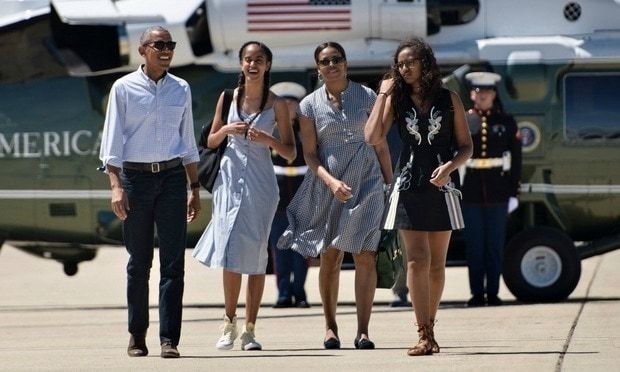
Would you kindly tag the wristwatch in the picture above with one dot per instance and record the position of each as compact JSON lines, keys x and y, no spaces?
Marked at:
{"x":194,"y":185}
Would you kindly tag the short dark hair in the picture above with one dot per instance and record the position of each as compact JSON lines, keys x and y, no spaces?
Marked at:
{"x":328,"y":44}
{"x":146,"y":35}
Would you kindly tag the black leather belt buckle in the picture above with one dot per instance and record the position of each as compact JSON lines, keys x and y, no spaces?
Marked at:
{"x":153,"y":167}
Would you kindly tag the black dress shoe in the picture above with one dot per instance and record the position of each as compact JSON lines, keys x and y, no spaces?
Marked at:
{"x":169,"y":351}
{"x":476,"y":301}
{"x":283,"y":303}
{"x":137,"y":346}
{"x":493,"y":300}
{"x":332,"y":343}
{"x":363,"y":343}
{"x":302,"y":304}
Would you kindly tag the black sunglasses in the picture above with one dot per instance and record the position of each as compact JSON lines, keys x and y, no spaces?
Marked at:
{"x":161,"y":45}
{"x":334,"y":60}
{"x":408,"y":63}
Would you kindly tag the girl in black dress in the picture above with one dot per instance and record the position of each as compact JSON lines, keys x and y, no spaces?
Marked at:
{"x":436,"y":141}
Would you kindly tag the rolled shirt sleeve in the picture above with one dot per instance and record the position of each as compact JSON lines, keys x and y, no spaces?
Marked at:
{"x":111,"y":151}
{"x":187,"y":132}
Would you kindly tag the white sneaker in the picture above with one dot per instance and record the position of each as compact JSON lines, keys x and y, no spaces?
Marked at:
{"x":248,"y":342}
{"x":229,"y":334}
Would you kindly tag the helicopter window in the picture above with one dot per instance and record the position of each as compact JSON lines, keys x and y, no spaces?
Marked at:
{"x":30,"y":56}
{"x":591,"y":106}
{"x":452,"y":12}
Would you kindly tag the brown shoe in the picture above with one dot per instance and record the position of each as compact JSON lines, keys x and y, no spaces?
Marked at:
{"x":424,"y":344}
{"x":137,"y":346}
{"x":434,"y":344}
{"x":169,"y":351}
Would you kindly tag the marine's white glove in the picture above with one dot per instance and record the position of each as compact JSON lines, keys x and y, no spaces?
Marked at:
{"x":513,"y":203}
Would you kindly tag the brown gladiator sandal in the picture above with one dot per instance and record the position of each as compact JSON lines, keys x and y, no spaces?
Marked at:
{"x":434,"y":344}
{"x":424,"y":344}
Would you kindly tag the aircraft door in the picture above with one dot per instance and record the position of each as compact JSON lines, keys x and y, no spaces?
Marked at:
{"x":587,"y":160}
{"x":62,"y":136}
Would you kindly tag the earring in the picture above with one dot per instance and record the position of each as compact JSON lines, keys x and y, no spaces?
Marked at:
{"x":319,"y":76}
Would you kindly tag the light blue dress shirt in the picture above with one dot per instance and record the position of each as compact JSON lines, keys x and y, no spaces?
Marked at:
{"x":148,"y":121}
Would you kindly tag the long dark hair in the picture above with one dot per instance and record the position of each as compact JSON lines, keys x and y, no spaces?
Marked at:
{"x":430,"y":80}
{"x":266,"y":79}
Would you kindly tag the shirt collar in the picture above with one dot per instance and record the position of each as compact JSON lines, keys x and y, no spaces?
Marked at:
{"x":345,"y":91}
{"x":148,"y":79}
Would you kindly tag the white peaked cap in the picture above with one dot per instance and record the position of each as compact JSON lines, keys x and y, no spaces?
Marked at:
{"x":483,"y":79}
{"x":289,"y":89}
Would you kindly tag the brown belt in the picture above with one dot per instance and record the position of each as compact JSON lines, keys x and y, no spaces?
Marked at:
{"x":153,"y":167}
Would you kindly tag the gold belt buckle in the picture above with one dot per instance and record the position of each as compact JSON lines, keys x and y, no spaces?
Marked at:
{"x":155,"y":167}
{"x":484,"y":163}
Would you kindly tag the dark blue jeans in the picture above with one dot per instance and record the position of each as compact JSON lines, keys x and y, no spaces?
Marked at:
{"x":485,"y":235}
{"x":287,"y":262}
{"x":156,"y":200}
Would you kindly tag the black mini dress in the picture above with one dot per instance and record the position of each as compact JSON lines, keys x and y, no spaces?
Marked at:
{"x":430,"y":137}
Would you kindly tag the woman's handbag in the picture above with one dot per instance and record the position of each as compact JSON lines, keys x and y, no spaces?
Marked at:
{"x":209,"y":164}
{"x":389,"y":259}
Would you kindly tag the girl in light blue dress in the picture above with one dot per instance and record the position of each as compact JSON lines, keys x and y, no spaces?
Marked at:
{"x":245,"y":194}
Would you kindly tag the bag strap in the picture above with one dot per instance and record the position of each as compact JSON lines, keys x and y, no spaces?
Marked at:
{"x":262,"y":107}
{"x":228,"y":96}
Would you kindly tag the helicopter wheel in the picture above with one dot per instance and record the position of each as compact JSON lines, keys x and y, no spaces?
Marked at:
{"x":541,"y":264}
{"x":70,"y":268}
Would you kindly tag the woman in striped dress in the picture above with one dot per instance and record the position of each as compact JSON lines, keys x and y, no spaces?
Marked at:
{"x":245,"y":193}
{"x":338,"y":206}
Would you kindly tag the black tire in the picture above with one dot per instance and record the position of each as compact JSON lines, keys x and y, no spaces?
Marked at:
{"x":70,"y":268}
{"x":541,"y":264}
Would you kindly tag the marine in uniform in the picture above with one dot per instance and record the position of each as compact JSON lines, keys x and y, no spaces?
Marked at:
{"x":290,"y":267}
{"x":491,"y":180}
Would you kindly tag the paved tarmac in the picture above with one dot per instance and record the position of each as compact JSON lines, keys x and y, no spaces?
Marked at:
{"x":51,"y":322}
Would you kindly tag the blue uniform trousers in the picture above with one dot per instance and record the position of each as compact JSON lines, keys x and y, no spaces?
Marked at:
{"x":485,"y":235}
{"x":287,"y":262}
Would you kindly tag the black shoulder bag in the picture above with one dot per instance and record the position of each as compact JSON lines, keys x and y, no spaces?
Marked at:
{"x":209,"y":164}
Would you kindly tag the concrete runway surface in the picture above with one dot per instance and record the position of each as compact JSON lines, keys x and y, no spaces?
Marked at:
{"x":51,"y":322}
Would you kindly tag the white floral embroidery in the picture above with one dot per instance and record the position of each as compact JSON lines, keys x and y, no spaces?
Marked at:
{"x":412,"y":125}
{"x":435,"y":124}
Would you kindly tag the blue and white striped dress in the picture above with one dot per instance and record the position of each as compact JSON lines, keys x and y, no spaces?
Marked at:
{"x":245,"y":197}
{"x":317,"y":220}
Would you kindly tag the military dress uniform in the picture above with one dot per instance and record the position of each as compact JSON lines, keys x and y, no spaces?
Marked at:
{"x":290,"y":267}
{"x":492,"y":176}
{"x":287,"y":262}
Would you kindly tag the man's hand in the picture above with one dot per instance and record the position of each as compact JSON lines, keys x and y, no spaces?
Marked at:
{"x":193,"y":205}
{"x":120,"y":204}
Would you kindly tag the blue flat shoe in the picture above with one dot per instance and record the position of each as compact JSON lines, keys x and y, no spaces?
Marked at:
{"x":363,"y":343}
{"x":332,"y":343}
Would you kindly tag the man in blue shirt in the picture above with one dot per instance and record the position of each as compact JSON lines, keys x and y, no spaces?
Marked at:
{"x":149,"y":152}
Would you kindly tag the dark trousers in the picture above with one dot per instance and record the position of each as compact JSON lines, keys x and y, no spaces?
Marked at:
{"x":287,"y":262}
{"x":156,"y":200}
{"x":485,"y":234}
